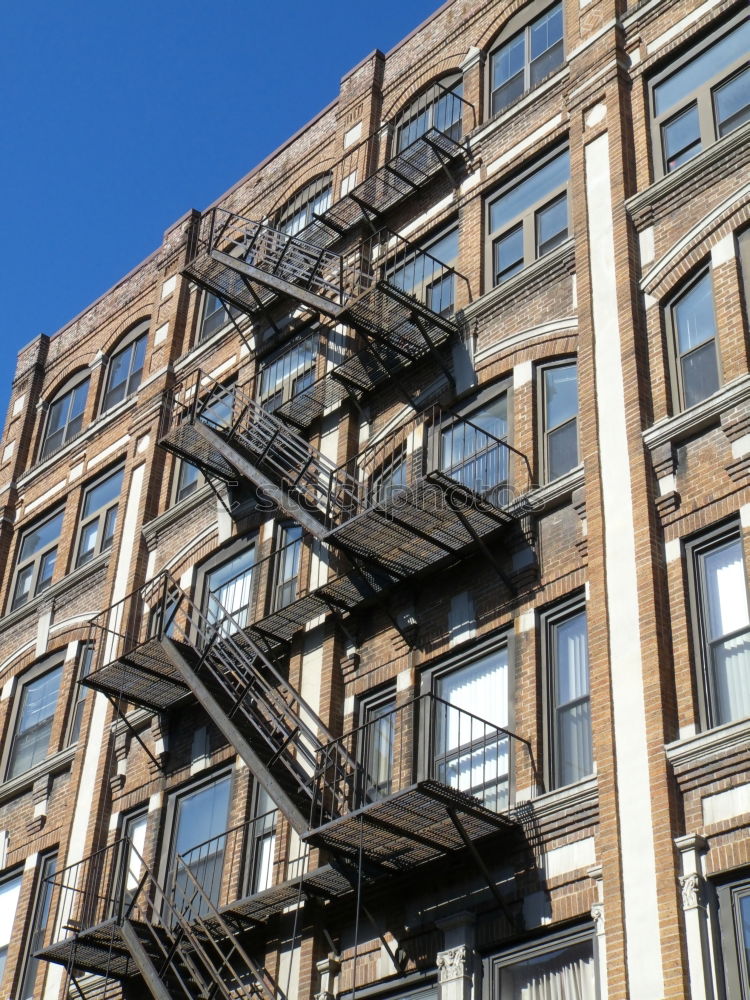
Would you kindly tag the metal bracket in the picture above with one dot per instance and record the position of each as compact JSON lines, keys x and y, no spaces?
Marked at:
{"x":432,"y":349}
{"x":444,"y":160}
{"x":481,"y":543}
{"x":481,"y":866}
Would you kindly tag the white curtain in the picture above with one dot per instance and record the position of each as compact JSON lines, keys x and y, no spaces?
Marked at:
{"x":567,"y":974}
{"x":572,"y":698}
{"x":728,"y":616}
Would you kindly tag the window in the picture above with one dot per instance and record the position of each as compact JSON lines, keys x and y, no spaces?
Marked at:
{"x":388,"y":480}
{"x":569,"y":755}
{"x":693,"y":327}
{"x":126,"y":368}
{"x":556,"y":967}
{"x":189,"y":480}
{"x":440,"y":107}
{"x":35,"y":563}
{"x":722,"y":625}
{"x":215,"y":316}
{"x":10,"y":890}
{"x":287,"y":565}
{"x":85,"y":660}
{"x":262,"y":844}
{"x":201,"y":818}
{"x":378,"y":717}
{"x":702,"y":96}
{"x":301,"y":210}
{"x":469,"y":751}
{"x":424,"y":276}
{"x":289,"y":373}
{"x":734,"y":925}
{"x":522,"y":60}
{"x":559,"y":391}
{"x":42,"y":903}
{"x":99,"y":517}
{"x":472,"y":450}
{"x":530,"y":217}
{"x":229,"y":589}
{"x":65,"y":417}
{"x":743,"y":242}
{"x":37,"y":701}
{"x":132,"y":859}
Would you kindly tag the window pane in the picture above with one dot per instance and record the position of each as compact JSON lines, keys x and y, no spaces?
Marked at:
{"x":9,"y":893}
{"x":560,"y":395}
{"x":700,"y":375}
{"x":200,"y":824}
{"x":571,"y":659}
{"x":702,"y":68}
{"x":530,"y":190}
{"x":726,"y":591}
{"x":471,"y":457}
{"x":732,"y":102}
{"x":23,"y":587}
{"x":681,"y":138}
{"x":562,"y":450}
{"x":571,"y":683}
{"x":40,"y":537}
{"x":552,"y":225}
{"x":103,"y":493}
{"x":546,"y":62}
{"x":744,"y":933}
{"x":731,"y":679}
{"x":118,"y":373}
{"x":41,"y":916}
{"x":136,"y":365}
{"x":378,"y":757}
{"x":188,"y":480}
{"x":34,"y":723}
{"x":230,"y":587}
{"x":546,"y":31}
{"x":565,"y":973}
{"x":509,"y":254}
{"x":87,"y":548}
{"x":46,"y":570}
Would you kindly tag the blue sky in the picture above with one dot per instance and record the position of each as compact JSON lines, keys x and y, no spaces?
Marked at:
{"x":117,"y":118}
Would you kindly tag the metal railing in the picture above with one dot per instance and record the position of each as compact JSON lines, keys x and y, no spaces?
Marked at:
{"x":441,"y":108}
{"x":427,"y":738}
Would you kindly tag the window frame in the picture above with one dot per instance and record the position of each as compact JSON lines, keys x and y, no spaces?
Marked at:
{"x":544,"y":431}
{"x":550,"y":619}
{"x":224,"y":555}
{"x":84,"y":666}
{"x":69,"y":389}
{"x":537,"y":946}
{"x":675,"y":358}
{"x":139,"y":333}
{"x":99,"y":517}
{"x":421,"y":289}
{"x":177,"y":496}
{"x":696,"y":548}
{"x":367,"y":705}
{"x":736,"y":973}
{"x":702,"y":97}
{"x":527,"y":220}
{"x":521,"y":23}
{"x":231,"y":315}
{"x":30,"y":676}
{"x":6,"y":878}
{"x":253,"y":854}
{"x":35,"y":561}
{"x":287,"y":388}
{"x":276,"y":582}
{"x":41,"y":909}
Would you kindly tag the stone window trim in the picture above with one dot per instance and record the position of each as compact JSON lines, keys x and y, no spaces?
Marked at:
{"x":733,"y":899}
{"x":132,"y":349}
{"x":526,"y":222}
{"x":696,"y":548}
{"x":550,"y":618}
{"x":547,"y":942}
{"x":55,"y":661}
{"x":679,"y":388}
{"x":520,"y":23}
{"x":102,"y":521}
{"x":55,"y":763}
{"x":68,"y":396}
{"x":701,"y":97}
{"x":33,"y":567}
{"x":543,"y":431}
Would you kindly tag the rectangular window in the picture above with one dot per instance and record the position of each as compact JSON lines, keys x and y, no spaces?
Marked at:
{"x":702,"y":96}
{"x":723,"y":626}
{"x":215,"y":316}
{"x":423,"y":273}
{"x":132,"y":857}
{"x":529,"y":218}
{"x":65,"y":418}
{"x":229,"y":590}
{"x":42,"y":903}
{"x":288,"y":373}
{"x":189,"y":480}
{"x":561,"y":966}
{"x":85,"y":660}
{"x":287,"y":565}
{"x":693,"y":324}
{"x":525,"y":58}
{"x":125,"y":372}
{"x":470,"y":753}
{"x":559,"y":390}
{"x":378,"y":717}
{"x":35,"y":563}
{"x":10,"y":890}
{"x":472,"y":450}
{"x":568,"y":696}
{"x":99,"y":517}
{"x":201,"y":818}
{"x":734,"y":924}
{"x":262,"y":845}
{"x":37,"y":701}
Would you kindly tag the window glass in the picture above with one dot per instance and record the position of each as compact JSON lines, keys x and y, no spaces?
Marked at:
{"x":229,"y":589}
{"x":560,"y":390}
{"x":470,"y":453}
{"x":570,"y":686}
{"x":99,"y":517}
{"x":215,"y":315}
{"x":84,"y":669}
{"x":379,"y":719}
{"x":422,"y":275}
{"x":695,"y":332}
{"x":10,"y":890}
{"x":567,"y":971}
{"x":199,"y":838}
{"x":65,"y":418}
{"x":289,"y":374}
{"x":287,"y":565}
{"x":33,"y":727}
{"x":470,"y":754}
{"x":524,"y":194}
{"x":134,"y":846}
{"x":188,"y":480}
{"x":313,"y":200}
{"x":526,"y":58}
{"x":262,"y":842}
{"x":732,"y":101}
{"x":42,"y":904}
{"x":439,"y":107}
{"x":125,"y":372}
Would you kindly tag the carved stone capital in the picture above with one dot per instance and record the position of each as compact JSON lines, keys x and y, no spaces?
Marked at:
{"x":597,"y":915}
{"x":455,"y":963}
{"x":691,"y":887}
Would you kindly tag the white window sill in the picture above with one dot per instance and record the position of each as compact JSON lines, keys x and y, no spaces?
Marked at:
{"x":706,"y":414}
{"x":23,"y":783}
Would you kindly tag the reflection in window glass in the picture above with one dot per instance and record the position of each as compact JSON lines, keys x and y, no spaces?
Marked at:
{"x":125,"y":372}
{"x":200,"y":841}
{"x":65,"y":418}
{"x":33,"y":727}
{"x":526,"y":58}
{"x":43,"y":902}
{"x":10,"y":890}
{"x":695,"y":330}
{"x":564,"y":972}
{"x":471,"y":449}
{"x":570,"y":689}
{"x":36,"y":559}
{"x":229,"y":589}
{"x":560,"y":389}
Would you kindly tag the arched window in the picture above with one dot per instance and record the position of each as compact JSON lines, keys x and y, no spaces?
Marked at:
{"x":528,"y":49}
{"x":65,"y":414}
{"x":313,"y":199}
{"x":439,"y":107}
{"x":126,"y":367}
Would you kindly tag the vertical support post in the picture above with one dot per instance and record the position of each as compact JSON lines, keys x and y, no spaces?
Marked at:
{"x":597,"y":915}
{"x":695,"y":909}
{"x":457,"y":975}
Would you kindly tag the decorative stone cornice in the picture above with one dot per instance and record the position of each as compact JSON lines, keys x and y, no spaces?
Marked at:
{"x":455,"y":963}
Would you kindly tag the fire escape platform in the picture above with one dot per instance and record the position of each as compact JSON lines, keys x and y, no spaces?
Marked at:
{"x":100,"y":949}
{"x":418,"y":527}
{"x":324,"y":883}
{"x":228,"y":283}
{"x":145,"y":676}
{"x":395,"y":181}
{"x":410,"y":828}
{"x":187,"y":442}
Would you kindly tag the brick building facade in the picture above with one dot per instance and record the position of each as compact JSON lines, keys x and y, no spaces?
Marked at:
{"x":367,"y":627}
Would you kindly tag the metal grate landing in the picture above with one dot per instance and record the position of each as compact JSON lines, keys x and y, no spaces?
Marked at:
{"x":145,"y":676}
